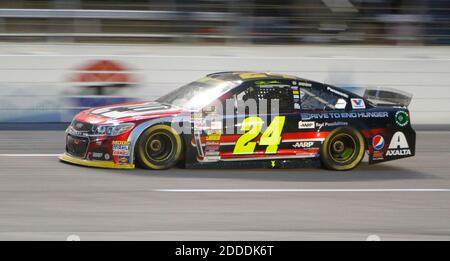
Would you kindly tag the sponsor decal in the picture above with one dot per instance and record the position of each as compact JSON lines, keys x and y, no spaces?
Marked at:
{"x":121,"y":148}
{"x":97,"y":155}
{"x":210,"y":158}
{"x":124,"y":160}
{"x":303,"y":144}
{"x":331,"y":124}
{"x":378,"y":142}
{"x":401,"y":118}
{"x":337,"y":92}
{"x":305,"y":84}
{"x":251,"y":75}
{"x":341,"y":104}
{"x":213,"y":137}
{"x":398,"y":145}
{"x":267,"y":82}
{"x":296,"y":92}
{"x":296,"y":106}
{"x":358,"y":103}
{"x":306,"y":124}
{"x":107,"y":157}
{"x":377,"y":155}
{"x":344,"y":115}
{"x":294,"y":82}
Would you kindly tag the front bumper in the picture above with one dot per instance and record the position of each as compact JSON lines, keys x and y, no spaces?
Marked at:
{"x":92,"y":163}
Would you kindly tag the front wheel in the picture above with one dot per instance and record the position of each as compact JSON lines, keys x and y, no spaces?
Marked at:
{"x":343,"y":149}
{"x":159,"y":147}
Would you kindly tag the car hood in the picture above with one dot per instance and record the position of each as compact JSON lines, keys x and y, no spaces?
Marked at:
{"x":128,"y":112}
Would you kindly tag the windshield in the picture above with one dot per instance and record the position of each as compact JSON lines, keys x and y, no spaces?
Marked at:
{"x":198,"y":94}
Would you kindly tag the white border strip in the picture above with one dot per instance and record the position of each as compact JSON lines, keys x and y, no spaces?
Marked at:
{"x":303,"y":190}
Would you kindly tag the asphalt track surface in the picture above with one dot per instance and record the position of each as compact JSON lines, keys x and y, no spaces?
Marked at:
{"x":42,"y":198}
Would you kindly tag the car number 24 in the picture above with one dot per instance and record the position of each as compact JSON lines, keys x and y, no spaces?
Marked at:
{"x":252,"y":126}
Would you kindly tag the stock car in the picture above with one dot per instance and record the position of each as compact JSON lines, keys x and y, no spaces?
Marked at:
{"x":246,"y":119}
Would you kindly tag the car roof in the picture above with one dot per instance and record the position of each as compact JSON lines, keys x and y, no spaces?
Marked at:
{"x":250,"y":75}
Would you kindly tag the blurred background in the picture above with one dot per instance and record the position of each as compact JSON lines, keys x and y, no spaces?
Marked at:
{"x":61,"y":56}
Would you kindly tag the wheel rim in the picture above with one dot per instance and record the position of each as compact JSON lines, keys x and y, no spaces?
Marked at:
{"x":159,"y":147}
{"x":342,"y":148}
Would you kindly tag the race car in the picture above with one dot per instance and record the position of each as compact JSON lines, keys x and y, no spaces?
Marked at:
{"x":246,"y":119}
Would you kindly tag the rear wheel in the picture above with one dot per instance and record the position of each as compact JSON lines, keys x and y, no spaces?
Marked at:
{"x":159,"y":147}
{"x":343,"y":149}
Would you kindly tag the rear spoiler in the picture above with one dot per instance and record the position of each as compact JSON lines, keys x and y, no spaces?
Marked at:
{"x":382,"y":96}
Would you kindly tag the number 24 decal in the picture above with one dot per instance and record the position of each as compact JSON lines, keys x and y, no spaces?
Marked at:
{"x":271,"y":136}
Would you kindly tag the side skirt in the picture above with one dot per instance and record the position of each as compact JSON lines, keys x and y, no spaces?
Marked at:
{"x":271,"y":164}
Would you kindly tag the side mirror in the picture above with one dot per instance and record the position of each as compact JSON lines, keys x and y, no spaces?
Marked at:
{"x":341,"y":104}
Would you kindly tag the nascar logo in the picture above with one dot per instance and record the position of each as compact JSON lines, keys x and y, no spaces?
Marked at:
{"x":378,"y":142}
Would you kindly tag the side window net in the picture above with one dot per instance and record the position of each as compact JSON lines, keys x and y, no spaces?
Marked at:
{"x":282,"y":94}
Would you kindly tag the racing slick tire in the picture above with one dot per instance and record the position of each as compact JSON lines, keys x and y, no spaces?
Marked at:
{"x":343,"y":149}
{"x":159,"y":147}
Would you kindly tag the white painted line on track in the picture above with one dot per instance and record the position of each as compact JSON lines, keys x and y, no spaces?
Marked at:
{"x":236,"y":57}
{"x":29,"y":155}
{"x":302,"y":190}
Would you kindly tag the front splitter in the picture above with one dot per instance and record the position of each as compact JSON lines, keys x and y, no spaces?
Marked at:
{"x":96,"y":164}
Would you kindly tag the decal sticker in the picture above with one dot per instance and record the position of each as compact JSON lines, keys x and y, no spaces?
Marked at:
{"x":267,"y":82}
{"x":304,"y":84}
{"x":271,"y":136}
{"x":252,"y":75}
{"x":213,"y":137}
{"x":296,"y":106}
{"x":272,"y":163}
{"x":295,"y":92}
{"x":306,"y":124}
{"x":358,"y":103}
{"x":124,"y":160}
{"x":331,"y":124}
{"x":340,"y":104}
{"x":303,"y":144}
{"x":378,"y":142}
{"x":398,"y":145}
{"x":97,"y":155}
{"x":344,"y":115}
{"x":401,"y":118}
{"x":377,"y":155}
{"x":121,"y":148}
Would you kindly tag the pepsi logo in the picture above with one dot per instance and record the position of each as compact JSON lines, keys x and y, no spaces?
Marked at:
{"x":378,"y":142}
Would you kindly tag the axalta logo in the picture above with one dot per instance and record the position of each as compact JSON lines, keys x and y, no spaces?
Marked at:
{"x":358,"y":104}
{"x":306,"y":124}
{"x":398,"y":145}
{"x":378,"y":142}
